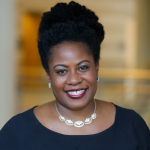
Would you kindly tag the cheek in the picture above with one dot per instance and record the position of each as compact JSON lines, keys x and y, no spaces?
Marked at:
{"x":91,"y":78}
{"x":58,"y":83}
{"x":93,"y":83}
{"x":92,"y":74}
{"x":57,"y":86}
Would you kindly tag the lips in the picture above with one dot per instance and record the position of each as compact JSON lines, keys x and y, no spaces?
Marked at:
{"x":76,"y":93}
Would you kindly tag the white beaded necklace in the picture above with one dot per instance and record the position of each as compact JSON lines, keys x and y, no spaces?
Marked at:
{"x":78,"y":123}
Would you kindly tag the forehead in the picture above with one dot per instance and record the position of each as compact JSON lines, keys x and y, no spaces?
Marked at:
{"x":68,"y":52}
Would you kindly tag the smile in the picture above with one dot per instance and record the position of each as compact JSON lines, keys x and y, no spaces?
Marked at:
{"x":76,"y":93}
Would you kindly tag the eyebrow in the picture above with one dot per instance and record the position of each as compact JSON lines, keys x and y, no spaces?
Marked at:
{"x":77,"y":64}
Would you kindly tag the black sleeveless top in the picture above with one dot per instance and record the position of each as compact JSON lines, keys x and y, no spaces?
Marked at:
{"x":25,"y":132}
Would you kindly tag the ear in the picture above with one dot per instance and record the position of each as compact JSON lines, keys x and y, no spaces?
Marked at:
{"x":48,"y":77}
{"x":97,"y":67}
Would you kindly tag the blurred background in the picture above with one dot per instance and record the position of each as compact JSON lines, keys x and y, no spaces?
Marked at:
{"x":125,"y":55}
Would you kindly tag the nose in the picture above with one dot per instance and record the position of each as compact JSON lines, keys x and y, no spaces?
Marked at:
{"x":74,"y":78}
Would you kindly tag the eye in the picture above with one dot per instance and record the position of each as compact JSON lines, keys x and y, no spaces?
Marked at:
{"x":83,"y":68}
{"x":61,"y":72}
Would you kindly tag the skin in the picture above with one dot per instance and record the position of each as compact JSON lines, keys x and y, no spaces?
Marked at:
{"x":73,"y":67}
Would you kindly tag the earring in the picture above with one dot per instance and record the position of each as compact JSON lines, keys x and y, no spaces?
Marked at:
{"x":49,"y":85}
{"x":98,"y":78}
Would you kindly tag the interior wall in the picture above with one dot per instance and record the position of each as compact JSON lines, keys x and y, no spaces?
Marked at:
{"x":143,"y":46}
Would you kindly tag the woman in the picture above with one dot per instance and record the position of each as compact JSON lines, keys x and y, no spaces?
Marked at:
{"x":69,"y":46}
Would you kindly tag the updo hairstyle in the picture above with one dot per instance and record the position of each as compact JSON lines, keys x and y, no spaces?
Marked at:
{"x":69,"y":22}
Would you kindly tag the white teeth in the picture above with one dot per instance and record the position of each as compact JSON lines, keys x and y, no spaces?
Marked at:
{"x":76,"y":92}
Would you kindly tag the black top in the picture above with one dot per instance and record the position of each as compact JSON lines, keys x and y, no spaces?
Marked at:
{"x":25,"y":132}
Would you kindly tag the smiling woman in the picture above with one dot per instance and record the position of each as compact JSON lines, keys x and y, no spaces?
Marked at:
{"x":69,"y":46}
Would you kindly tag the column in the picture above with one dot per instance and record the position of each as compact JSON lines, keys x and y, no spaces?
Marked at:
{"x":7,"y":60}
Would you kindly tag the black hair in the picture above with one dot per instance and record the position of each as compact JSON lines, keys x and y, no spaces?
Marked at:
{"x":69,"y":22}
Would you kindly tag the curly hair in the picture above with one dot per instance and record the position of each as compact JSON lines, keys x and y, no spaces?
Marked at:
{"x":69,"y":22}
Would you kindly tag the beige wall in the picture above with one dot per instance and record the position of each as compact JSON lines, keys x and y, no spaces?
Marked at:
{"x":143,"y":18}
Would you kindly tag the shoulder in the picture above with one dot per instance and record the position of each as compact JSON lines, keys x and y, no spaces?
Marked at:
{"x":22,"y":121}
{"x":125,"y":114}
{"x":133,"y":126}
{"x":17,"y":130}
{"x":129,"y":116}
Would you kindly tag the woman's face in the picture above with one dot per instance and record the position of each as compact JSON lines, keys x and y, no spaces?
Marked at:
{"x":73,"y":75}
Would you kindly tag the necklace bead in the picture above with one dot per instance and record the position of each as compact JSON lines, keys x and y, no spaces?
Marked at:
{"x":88,"y":121}
{"x":79,"y":124}
{"x":62,"y":118}
{"x":69,"y":122}
{"x":93,"y":116}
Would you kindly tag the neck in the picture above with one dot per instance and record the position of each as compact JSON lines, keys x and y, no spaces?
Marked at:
{"x":76,"y":114}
